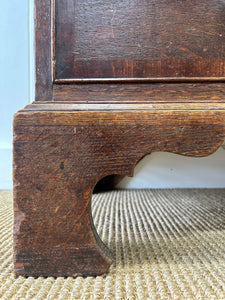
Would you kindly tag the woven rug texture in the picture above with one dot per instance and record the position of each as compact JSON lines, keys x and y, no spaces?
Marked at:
{"x":167,"y":244}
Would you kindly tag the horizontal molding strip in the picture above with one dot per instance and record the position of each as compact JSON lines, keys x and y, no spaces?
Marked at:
{"x":67,"y":106}
{"x":133,"y":80}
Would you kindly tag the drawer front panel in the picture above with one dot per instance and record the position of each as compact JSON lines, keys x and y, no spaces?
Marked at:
{"x":139,"y":39}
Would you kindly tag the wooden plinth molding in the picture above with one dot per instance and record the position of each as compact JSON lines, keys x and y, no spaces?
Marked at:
{"x":60,"y":155}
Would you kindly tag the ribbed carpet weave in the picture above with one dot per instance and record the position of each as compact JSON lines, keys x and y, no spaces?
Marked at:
{"x":167,"y":244}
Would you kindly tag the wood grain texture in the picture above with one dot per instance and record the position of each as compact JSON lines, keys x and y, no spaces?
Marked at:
{"x":154,"y":73}
{"x":120,"y":107}
{"x":167,"y":41}
{"x":43,"y":50}
{"x":139,"y":39}
{"x":140,"y":93}
{"x":59,"y":156}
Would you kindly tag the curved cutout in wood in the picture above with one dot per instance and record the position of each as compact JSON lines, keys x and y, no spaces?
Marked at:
{"x":59,"y":156}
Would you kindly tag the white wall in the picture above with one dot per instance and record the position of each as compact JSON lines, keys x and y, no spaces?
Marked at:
{"x":168,"y":170}
{"x":158,"y":170}
{"x":14,"y":76}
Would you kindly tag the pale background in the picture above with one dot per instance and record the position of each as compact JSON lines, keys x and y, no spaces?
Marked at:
{"x":159,"y":170}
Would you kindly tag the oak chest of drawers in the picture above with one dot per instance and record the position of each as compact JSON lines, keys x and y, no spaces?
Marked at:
{"x":115,"y":80}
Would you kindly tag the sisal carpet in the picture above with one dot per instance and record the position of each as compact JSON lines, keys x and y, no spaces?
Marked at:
{"x":167,"y":244}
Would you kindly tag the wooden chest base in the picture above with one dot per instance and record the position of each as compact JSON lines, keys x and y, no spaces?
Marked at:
{"x":62,"y":151}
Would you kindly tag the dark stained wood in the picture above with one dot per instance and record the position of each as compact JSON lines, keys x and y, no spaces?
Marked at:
{"x":139,"y":39}
{"x":43,"y":50}
{"x":193,"y":37}
{"x":115,"y":80}
{"x":140,"y":93}
{"x":59,"y":156}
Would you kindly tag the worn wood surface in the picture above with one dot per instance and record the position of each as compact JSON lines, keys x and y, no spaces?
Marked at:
{"x":139,"y":39}
{"x":115,"y":80}
{"x":59,"y":156}
{"x":153,"y":41}
{"x":117,"y":107}
{"x":140,"y":93}
{"x":43,"y":49}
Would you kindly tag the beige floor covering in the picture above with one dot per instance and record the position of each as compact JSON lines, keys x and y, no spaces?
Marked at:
{"x":168,"y":244}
